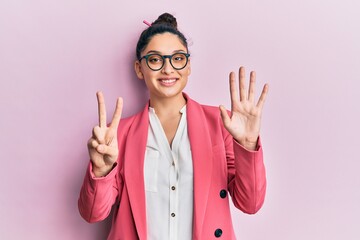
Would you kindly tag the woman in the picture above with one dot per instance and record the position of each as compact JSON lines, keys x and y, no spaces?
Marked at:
{"x":168,"y":169}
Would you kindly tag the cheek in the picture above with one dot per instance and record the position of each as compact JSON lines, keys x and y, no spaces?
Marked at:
{"x":186,"y":72}
{"x":149,"y":75}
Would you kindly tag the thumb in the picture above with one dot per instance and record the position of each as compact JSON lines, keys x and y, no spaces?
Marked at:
{"x":106,"y":150}
{"x":224,"y":116}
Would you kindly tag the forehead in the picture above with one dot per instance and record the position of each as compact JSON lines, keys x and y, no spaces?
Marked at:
{"x":165,"y":43}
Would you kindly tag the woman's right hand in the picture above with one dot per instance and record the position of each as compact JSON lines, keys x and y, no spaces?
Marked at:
{"x":103,"y":145}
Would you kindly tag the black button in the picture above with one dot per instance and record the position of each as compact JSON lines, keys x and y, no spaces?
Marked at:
{"x":223,"y":193}
{"x":218,"y":232}
{"x":173,"y":214}
{"x":173,"y":188}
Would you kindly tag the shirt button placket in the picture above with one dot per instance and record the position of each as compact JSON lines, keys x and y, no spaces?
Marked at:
{"x":173,"y":198}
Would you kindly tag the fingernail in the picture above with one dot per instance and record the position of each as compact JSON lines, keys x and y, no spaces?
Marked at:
{"x":101,"y":148}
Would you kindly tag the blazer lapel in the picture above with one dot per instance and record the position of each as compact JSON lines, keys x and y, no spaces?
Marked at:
{"x":201,"y":151}
{"x":134,"y":169}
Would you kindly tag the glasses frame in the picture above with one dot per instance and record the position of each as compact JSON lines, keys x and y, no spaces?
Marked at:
{"x":187,"y":55}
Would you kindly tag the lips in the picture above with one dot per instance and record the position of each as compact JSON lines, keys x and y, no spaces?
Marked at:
{"x":168,"y":81}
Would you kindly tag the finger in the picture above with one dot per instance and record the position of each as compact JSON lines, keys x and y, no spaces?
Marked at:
{"x":224,"y":116}
{"x":233,"y":92}
{"x":110,"y":136}
{"x":101,"y":109}
{"x":263,"y":95}
{"x":117,"y":114}
{"x":99,"y":134}
{"x":251,"y":95}
{"x":104,"y":149}
{"x":92,"y":143}
{"x":242,"y":86}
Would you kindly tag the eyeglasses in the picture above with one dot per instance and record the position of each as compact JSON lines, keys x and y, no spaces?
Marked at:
{"x":156,"y":61}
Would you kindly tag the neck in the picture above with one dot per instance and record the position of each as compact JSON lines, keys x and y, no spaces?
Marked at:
{"x":167,"y":106}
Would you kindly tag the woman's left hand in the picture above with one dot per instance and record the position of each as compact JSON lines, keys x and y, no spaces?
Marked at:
{"x":244,"y":123}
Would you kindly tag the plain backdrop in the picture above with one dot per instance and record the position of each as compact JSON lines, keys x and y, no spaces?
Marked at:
{"x":55,"y":55}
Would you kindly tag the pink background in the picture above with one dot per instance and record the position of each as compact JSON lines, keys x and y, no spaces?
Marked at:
{"x":54,"y":56}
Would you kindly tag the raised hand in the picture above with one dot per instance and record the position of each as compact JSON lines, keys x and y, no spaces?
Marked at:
{"x":244,"y":123}
{"x":103,"y":145}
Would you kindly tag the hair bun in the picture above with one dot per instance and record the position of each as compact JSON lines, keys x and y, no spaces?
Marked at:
{"x":166,"y":18}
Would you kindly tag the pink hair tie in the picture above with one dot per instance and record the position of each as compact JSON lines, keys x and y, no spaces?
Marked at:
{"x":147,"y":23}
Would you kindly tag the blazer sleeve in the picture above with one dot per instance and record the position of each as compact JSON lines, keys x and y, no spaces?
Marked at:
{"x":246,"y":175}
{"x":97,"y":195}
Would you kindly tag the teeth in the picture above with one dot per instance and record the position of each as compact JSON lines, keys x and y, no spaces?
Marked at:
{"x":168,"y":81}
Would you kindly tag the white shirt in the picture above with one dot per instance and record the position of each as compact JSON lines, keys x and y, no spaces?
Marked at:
{"x":168,"y":174}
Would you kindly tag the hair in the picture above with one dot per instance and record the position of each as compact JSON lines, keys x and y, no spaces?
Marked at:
{"x":166,"y":23}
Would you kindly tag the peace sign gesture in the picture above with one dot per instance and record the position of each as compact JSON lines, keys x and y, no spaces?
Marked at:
{"x":103,"y":145}
{"x":244,"y":123}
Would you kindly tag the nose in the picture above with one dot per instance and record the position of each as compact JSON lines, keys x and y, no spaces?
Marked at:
{"x":167,"y":68}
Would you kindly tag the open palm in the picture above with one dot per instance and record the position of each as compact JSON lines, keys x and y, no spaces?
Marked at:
{"x":245,"y":119}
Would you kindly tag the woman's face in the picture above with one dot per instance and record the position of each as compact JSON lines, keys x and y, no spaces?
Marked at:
{"x":166,"y":82}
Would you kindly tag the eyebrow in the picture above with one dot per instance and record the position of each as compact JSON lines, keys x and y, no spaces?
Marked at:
{"x":157,"y":52}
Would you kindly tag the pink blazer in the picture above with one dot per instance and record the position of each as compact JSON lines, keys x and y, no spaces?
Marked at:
{"x":221,"y":167}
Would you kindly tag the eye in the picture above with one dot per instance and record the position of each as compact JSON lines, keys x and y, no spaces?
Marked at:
{"x":178,"y":57}
{"x":155,"y":59}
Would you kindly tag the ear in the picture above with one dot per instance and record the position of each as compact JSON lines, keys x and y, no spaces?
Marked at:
{"x":138,"y":71}
{"x":189,"y":68}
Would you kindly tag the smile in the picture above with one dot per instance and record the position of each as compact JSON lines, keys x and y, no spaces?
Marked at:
{"x":168,"y":81}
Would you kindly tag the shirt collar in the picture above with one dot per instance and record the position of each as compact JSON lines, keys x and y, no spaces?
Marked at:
{"x":182,"y":110}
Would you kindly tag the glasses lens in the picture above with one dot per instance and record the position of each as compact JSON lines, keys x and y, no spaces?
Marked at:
{"x":179,"y":60}
{"x":155,"y":61}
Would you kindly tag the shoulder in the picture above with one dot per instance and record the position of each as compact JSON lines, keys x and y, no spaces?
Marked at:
{"x":126,"y":123}
{"x":211,"y":110}
{"x":207,"y":117}
{"x":210,"y":114}
{"x":207,"y":110}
